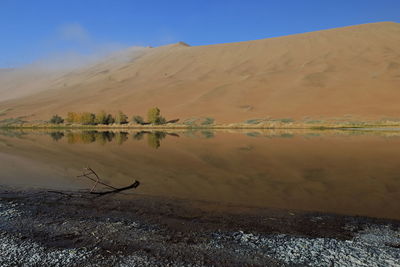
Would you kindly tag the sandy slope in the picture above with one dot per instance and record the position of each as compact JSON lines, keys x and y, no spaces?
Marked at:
{"x":353,"y":70}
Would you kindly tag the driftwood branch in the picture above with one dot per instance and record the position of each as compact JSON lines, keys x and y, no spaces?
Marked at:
{"x":96,"y":179}
{"x":89,"y":172}
{"x":134,"y":185}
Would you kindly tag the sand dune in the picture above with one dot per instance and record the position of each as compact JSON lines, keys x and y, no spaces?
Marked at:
{"x":340,"y":72}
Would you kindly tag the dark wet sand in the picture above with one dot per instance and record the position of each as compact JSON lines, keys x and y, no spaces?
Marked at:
{"x":163,"y":229}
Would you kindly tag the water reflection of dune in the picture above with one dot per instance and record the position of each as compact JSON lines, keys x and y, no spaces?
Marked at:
{"x":328,"y":173}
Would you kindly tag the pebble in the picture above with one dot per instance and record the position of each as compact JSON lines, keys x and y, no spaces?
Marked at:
{"x":375,"y":245}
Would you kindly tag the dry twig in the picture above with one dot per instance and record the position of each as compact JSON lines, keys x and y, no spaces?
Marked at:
{"x":89,"y":172}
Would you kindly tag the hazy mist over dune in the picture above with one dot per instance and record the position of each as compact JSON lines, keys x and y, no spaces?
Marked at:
{"x":352,"y":70}
{"x":40,"y":75}
{"x":70,"y":48}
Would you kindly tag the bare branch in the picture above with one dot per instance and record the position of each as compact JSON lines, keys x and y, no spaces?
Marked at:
{"x":134,"y":185}
{"x":97,"y":181}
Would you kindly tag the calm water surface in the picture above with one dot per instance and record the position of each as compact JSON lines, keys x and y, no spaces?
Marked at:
{"x":355,"y":173}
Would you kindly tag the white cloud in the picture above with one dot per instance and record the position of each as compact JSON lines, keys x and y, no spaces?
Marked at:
{"x":72,"y":46}
{"x":74,"y":32}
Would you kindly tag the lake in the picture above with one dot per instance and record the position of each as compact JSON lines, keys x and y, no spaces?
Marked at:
{"x":343,"y":172}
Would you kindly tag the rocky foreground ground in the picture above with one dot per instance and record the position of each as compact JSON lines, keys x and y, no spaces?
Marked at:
{"x":41,"y":228}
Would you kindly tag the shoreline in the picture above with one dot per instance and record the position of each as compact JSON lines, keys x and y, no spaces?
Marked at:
{"x":72,"y":228}
{"x":367,"y":127}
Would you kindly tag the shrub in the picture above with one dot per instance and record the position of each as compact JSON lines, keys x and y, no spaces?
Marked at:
{"x":161,"y":120}
{"x":284,"y":120}
{"x":253,"y":121}
{"x":315,"y":121}
{"x":190,"y":121}
{"x":194,"y":122}
{"x":56,"y":120}
{"x":138,"y":119}
{"x":207,"y":121}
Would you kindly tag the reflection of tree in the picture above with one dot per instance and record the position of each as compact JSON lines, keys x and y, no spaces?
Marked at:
{"x":121,"y":137}
{"x":193,"y":133}
{"x":56,"y":135}
{"x":207,"y":134}
{"x":104,"y":137}
{"x":101,"y":138}
{"x":109,"y":135}
{"x":12,"y":132}
{"x":72,"y":138}
{"x":87,"y":137}
{"x":139,"y":135}
{"x":153,"y":139}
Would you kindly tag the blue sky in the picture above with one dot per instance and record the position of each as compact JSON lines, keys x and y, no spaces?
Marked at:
{"x":30,"y":30}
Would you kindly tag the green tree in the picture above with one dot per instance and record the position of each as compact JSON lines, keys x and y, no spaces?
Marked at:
{"x":87,"y":118}
{"x":71,"y":117}
{"x":110,"y":119}
{"x":153,"y":116}
{"x":101,"y":117}
{"x":56,"y":120}
{"x":78,"y":118}
{"x":121,"y":118}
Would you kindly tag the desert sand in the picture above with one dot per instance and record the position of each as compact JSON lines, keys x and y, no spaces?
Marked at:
{"x":345,"y":72}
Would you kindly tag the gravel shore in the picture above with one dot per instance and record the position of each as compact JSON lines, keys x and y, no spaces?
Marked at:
{"x":41,"y":228}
